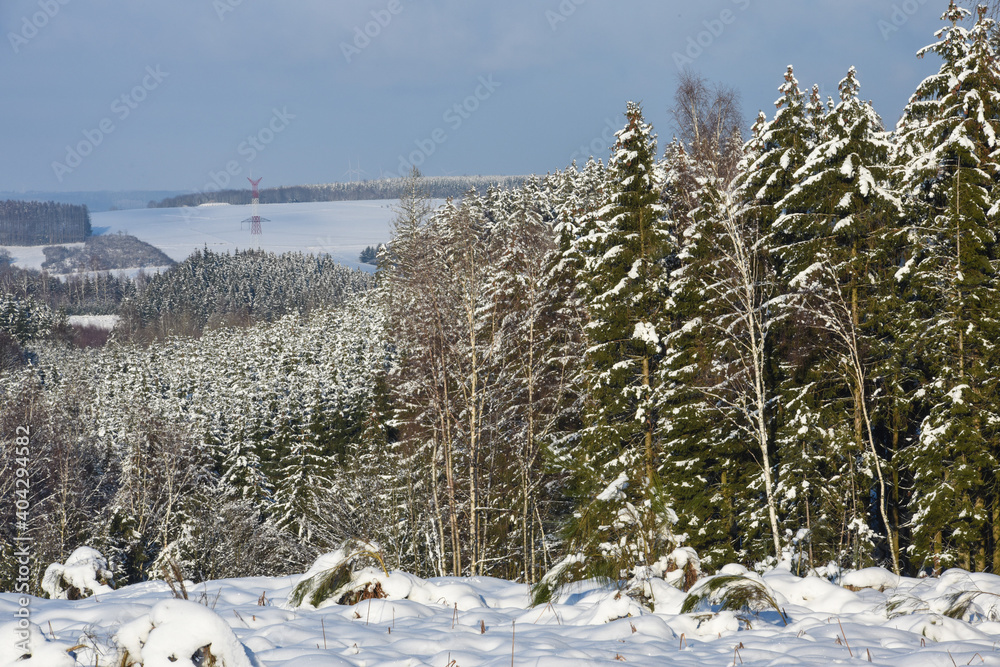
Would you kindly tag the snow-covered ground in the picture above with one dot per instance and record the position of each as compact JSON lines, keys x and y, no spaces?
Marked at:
{"x":340,"y":229}
{"x":106,"y":322}
{"x":488,"y":622}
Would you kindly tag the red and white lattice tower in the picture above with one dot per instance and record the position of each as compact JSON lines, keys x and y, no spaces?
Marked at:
{"x":255,"y":218}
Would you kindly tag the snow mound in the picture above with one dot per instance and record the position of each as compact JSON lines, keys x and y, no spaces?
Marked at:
{"x":85,"y":573}
{"x":23,"y":644}
{"x":181,"y":633}
{"x":815,"y":593}
{"x":870,"y":577}
{"x":340,"y":578}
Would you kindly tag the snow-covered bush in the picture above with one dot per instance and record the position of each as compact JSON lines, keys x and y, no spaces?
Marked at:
{"x":333,"y":577}
{"x":180,"y":633}
{"x":84,"y":573}
{"x":745,"y":592}
{"x":679,"y":570}
{"x":356,"y":572}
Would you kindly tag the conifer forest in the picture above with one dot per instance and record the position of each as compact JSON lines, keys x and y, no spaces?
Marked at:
{"x":756,"y":344}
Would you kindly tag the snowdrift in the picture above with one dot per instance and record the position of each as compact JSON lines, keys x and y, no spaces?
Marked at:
{"x":770,"y":619}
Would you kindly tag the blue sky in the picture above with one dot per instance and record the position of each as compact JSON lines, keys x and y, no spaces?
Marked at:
{"x":137,"y":94}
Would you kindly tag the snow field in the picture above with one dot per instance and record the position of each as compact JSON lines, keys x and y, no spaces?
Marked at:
{"x":480,"y":621}
{"x":340,"y":229}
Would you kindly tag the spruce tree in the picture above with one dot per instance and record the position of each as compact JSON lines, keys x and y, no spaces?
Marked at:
{"x":622,"y":517}
{"x":832,"y":219}
{"x":950,"y":173}
{"x":705,"y":459}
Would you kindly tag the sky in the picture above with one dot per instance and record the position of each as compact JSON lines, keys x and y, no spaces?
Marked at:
{"x":197,"y":94}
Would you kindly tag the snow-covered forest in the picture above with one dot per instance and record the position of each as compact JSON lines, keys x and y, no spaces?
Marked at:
{"x":776,"y":350}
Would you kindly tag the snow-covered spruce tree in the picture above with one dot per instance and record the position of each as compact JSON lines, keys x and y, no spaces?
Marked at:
{"x":301,"y":468}
{"x":776,"y":151}
{"x":622,"y":518}
{"x":25,"y":319}
{"x":833,"y":219}
{"x":950,"y":173}
{"x":705,"y":459}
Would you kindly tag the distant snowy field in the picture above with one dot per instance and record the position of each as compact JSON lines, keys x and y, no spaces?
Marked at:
{"x":488,"y":622}
{"x":340,"y":229}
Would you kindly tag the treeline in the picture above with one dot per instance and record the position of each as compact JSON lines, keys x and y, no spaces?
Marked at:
{"x":27,"y":223}
{"x":777,"y":350}
{"x":437,"y":187}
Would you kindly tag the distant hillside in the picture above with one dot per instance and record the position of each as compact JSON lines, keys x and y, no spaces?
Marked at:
{"x":95,"y":200}
{"x":27,"y":223}
{"x":437,"y":187}
{"x":104,"y":253}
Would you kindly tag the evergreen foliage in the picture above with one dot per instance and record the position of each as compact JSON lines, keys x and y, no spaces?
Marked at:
{"x":623,"y":518}
{"x":212,"y":289}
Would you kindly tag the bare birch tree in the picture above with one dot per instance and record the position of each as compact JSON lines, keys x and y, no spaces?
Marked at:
{"x":822,"y":299}
{"x":742,"y":289}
